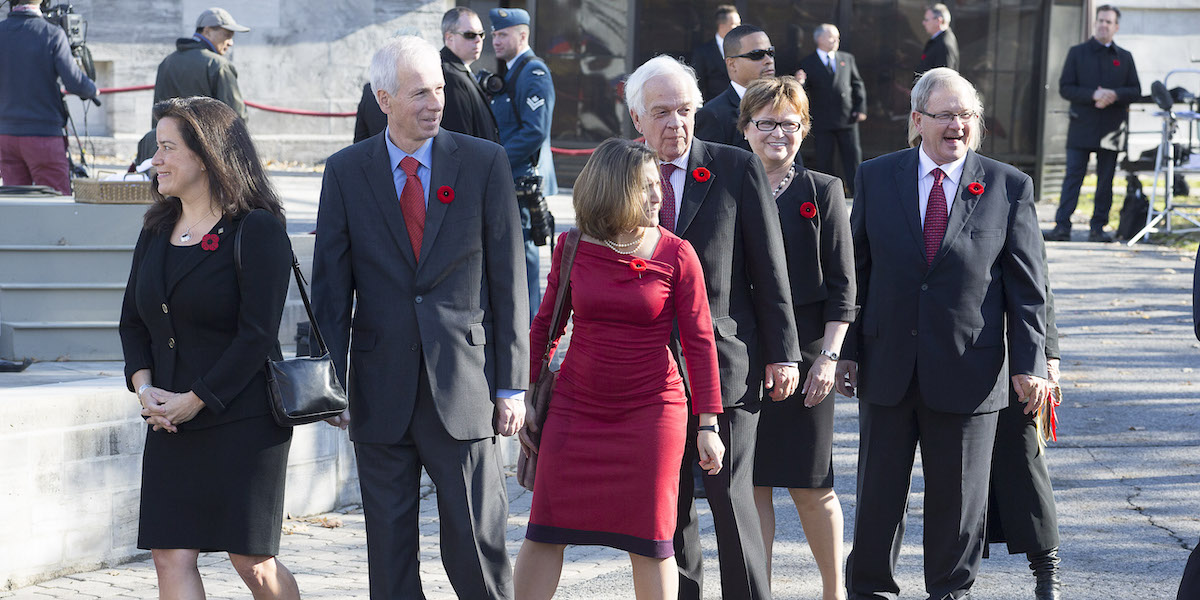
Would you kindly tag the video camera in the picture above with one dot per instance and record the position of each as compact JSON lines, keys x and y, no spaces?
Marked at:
{"x":491,"y":83}
{"x":529,"y":197}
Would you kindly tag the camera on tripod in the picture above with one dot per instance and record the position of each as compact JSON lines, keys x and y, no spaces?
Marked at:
{"x":75,"y":26}
{"x":529,"y":197}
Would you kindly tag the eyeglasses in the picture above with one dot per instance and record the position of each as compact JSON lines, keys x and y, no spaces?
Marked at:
{"x":769,"y":125}
{"x":945,"y":118}
{"x":471,"y":35}
{"x":757,"y":54}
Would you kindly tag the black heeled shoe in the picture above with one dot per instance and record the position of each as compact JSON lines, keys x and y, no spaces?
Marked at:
{"x":1044,"y":565}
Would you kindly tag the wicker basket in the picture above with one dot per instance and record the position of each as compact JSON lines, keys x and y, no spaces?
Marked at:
{"x":91,"y":191}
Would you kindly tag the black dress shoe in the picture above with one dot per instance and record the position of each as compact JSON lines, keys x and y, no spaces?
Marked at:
{"x":1044,"y":565}
{"x":1099,"y":236}
{"x":1058,"y":234}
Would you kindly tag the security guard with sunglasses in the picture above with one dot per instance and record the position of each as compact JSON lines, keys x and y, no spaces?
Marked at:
{"x":749,"y":55}
{"x":467,"y":110}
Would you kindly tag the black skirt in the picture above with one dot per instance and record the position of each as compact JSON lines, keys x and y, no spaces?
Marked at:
{"x":795,"y":444}
{"x":215,"y":489}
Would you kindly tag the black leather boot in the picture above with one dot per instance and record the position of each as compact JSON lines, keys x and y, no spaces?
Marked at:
{"x":1044,"y":565}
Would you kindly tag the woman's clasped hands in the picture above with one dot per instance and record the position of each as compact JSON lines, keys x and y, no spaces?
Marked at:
{"x":167,"y":410}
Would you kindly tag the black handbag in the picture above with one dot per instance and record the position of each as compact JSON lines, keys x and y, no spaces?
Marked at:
{"x":302,"y":389}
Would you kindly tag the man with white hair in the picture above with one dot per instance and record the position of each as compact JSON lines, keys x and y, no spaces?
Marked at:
{"x":942,"y":48}
{"x":419,"y":261}
{"x":838,"y":101}
{"x":717,"y":197}
{"x":951,"y":284}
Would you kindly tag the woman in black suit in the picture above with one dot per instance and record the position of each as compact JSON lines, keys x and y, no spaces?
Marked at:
{"x":196,"y":334}
{"x":795,"y":436}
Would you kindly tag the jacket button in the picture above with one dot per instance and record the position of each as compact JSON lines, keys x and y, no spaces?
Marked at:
{"x":914,"y":333}
{"x":924,"y":286}
{"x":419,"y":300}
{"x":413,"y":347}
{"x":171,"y":343}
{"x":164,"y":307}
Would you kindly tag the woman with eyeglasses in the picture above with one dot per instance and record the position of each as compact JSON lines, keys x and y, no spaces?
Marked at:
{"x":795,"y":435}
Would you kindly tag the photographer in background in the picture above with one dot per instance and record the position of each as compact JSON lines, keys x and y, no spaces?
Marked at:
{"x":34,"y":55}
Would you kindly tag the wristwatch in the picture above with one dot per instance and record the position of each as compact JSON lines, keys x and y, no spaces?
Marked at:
{"x":832,"y":355}
{"x":713,"y":428}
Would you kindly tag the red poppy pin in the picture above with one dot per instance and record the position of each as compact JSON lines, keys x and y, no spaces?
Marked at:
{"x":445,"y":194}
{"x":1116,"y":63}
{"x":808,"y":210}
{"x":701,"y":174}
{"x":638,"y":265}
{"x":210,"y":242}
{"x":975,"y":188}
{"x":922,"y":57}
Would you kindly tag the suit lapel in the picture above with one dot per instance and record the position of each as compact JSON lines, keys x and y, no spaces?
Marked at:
{"x":224,"y":230}
{"x":694,"y":192}
{"x":906,"y":184}
{"x":444,"y":171}
{"x":964,"y":204}
{"x":378,"y":173}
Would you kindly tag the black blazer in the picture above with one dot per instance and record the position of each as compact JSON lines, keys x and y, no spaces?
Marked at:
{"x":716,"y":121}
{"x":202,"y":329}
{"x":467,"y":109}
{"x":731,"y":221}
{"x":947,"y":323}
{"x":820,"y":252}
{"x":1090,"y":65}
{"x":370,"y":119}
{"x":710,"y":69}
{"x":940,"y":51}
{"x":834,"y":98}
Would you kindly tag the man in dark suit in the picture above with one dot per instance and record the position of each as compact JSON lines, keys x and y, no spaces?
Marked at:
{"x":749,"y":55}
{"x":709,"y":58}
{"x":838,"y":102}
{"x":467,"y":110}
{"x":419,"y":261}
{"x":942,"y":48}
{"x":1100,"y":80}
{"x":949,"y":265}
{"x":717,"y":197}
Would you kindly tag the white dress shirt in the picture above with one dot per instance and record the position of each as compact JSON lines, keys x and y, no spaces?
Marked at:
{"x":827,"y":58}
{"x":925,"y":168}
{"x":721,"y":45}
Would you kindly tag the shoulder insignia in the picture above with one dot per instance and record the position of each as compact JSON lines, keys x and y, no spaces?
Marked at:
{"x":538,"y":72}
{"x":535,"y":102}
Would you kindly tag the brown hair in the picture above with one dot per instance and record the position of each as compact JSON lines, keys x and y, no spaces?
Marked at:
{"x":778,"y":94}
{"x":236,"y":180}
{"x":609,"y":192}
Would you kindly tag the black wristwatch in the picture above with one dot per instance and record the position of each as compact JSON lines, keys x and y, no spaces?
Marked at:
{"x":713,"y":428}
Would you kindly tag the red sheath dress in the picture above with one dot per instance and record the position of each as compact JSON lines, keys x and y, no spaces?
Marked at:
{"x":608,"y":466}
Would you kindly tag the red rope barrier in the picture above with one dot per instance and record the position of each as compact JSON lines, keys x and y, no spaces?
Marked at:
{"x":296,"y":111}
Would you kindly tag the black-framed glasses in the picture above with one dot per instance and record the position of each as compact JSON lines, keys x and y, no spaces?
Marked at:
{"x":471,"y":35}
{"x":757,"y":55}
{"x":946,"y":117}
{"x":769,"y":125}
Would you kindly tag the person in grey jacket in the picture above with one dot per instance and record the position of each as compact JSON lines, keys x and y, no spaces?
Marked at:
{"x":198,"y":66}
{"x":34,"y":55}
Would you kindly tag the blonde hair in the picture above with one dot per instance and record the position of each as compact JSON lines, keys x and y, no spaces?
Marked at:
{"x":778,"y":94}
{"x":609,"y":193}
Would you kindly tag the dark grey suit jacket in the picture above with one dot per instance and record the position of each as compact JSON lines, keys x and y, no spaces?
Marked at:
{"x":732,"y":222}
{"x":940,"y":51}
{"x":946,"y":323}
{"x":717,"y":120}
{"x":461,"y":311}
{"x":833,"y":98}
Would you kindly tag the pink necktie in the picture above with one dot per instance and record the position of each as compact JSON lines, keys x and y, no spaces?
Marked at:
{"x":667,"y":212}
{"x":412,"y":204}
{"x":935,"y":217}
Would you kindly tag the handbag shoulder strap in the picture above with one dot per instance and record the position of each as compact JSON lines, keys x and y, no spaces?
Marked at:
{"x":564,"y":286}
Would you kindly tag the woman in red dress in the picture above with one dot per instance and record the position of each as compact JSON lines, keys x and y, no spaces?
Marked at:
{"x":608,"y":465}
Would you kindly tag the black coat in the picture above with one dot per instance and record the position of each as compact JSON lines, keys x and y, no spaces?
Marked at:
{"x":1090,"y":65}
{"x":716,"y":121}
{"x":467,"y":109}
{"x":370,"y":119}
{"x":710,"y":69}
{"x":834,"y":97}
{"x":201,"y":327}
{"x":940,"y":51}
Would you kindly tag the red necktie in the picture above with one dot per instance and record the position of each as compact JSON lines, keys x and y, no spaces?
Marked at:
{"x":667,"y":212}
{"x":412,"y":204}
{"x":935,"y":217}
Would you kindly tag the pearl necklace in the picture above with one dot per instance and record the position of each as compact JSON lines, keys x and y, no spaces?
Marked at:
{"x":786,"y":180}
{"x":628,"y":247}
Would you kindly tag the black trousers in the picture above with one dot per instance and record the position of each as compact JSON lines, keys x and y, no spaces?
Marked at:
{"x":1077,"y":162}
{"x":1189,"y":588}
{"x":848,"y":147}
{"x":731,"y":498}
{"x":472,"y":509}
{"x":956,"y":456}
{"x":1021,"y":509}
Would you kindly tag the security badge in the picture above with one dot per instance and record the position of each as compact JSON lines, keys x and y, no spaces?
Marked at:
{"x":535,"y":102}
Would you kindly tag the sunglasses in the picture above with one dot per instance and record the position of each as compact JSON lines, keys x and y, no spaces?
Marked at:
{"x":471,"y":35}
{"x":757,"y":54}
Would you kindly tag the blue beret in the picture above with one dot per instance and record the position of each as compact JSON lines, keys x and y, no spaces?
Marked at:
{"x":507,"y":17}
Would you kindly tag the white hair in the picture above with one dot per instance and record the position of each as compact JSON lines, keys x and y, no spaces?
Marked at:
{"x":940,"y":11}
{"x":944,"y":78}
{"x":659,"y":66}
{"x":822,"y":29}
{"x":406,"y":50}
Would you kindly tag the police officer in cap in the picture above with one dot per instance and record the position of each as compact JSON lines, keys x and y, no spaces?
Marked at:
{"x":523,"y":113}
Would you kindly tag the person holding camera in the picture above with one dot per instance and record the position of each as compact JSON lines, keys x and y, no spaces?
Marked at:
{"x":523,"y":110}
{"x":35,"y":56}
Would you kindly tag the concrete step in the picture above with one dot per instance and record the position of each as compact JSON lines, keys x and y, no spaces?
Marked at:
{"x":75,"y":340}
{"x":61,"y":301}
{"x":65,"y":264}
{"x":62,"y":221}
